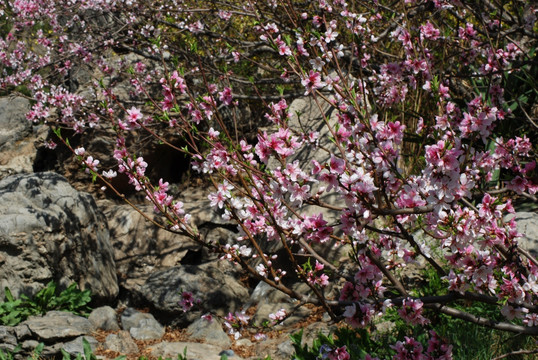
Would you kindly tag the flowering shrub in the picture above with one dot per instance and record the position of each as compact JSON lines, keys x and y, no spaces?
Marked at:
{"x":416,"y":90}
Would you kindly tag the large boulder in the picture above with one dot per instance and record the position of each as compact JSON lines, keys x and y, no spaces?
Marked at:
{"x":58,"y":325}
{"x":527,"y":225}
{"x":142,"y":248}
{"x":50,"y":231}
{"x":17,"y":137}
{"x":308,"y":115}
{"x":214,"y":285}
{"x":13,"y":123}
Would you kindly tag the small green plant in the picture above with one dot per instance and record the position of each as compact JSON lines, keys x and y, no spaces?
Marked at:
{"x":14,"y":311}
{"x":10,"y":355}
{"x":303,"y":352}
{"x":184,"y":356}
{"x":88,"y":353}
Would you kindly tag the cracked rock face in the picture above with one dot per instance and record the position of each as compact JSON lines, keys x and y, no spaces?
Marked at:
{"x":58,"y":325}
{"x":50,"y":231}
{"x":214,"y":286}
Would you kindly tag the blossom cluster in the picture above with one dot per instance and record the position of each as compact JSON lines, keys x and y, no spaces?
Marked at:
{"x":409,"y":163}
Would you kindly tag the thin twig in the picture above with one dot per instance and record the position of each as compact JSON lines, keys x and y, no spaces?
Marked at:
{"x":517,"y":352}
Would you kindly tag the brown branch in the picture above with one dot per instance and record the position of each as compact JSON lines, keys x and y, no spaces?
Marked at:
{"x":387,"y":273}
{"x":404,"y":211}
{"x":517,"y":352}
{"x":497,"y":325}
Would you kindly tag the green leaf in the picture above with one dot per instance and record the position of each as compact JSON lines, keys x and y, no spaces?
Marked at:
{"x":88,"y":353}
{"x":8,"y":295}
{"x":65,"y":355}
{"x":38,"y":350}
{"x":57,"y":131}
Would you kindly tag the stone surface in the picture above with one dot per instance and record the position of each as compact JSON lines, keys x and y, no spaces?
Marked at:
{"x":18,"y":138}
{"x":58,"y":325}
{"x":50,"y":231}
{"x":121,"y":342}
{"x":8,"y":340}
{"x":215,"y":285}
{"x":22,"y":331}
{"x":141,"y":326}
{"x":13,"y":123}
{"x":307,"y":116}
{"x":131,"y":318}
{"x":210,"y":332}
{"x":104,"y":318}
{"x":285,"y":349}
{"x":148,"y":329}
{"x":195,"y":351}
{"x":263,"y":293}
{"x":140,"y":247}
{"x":76,"y":346}
{"x":527,"y":224}
{"x":281,"y":348}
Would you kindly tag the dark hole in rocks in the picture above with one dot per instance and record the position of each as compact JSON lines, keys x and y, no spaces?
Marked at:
{"x":163,"y":161}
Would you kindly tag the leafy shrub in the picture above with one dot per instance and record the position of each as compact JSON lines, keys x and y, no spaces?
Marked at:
{"x":470,"y":341}
{"x":13,"y":311}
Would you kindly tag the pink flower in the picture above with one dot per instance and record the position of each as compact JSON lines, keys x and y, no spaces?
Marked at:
{"x":278,"y":316}
{"x":428,"y":31}
{"x":213,"y":134}
{"x":312,"y":82}
{"x":411,"y":312}
{"x":133,"y":117}
{"x":339,"y":354}
{"x":226,"y":96}
{"x":187,"y":301}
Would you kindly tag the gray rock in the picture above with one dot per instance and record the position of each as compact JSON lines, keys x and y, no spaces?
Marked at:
{"x":8,"y":340}
{"x":13,"y":123}
{"x":131,"y":318}
{"x":141,"y":326}
{"x":294,"y":315}
{"x":140,"y":246}
{"x":29,"y":346}
{"x":121,"y":342}
{"x":22,"y":331}
{"x":148,"y":329}
{"x":286,"y":349}
{"x":195,"y":351}
{"x":50,"y":231}
{"x":263,"y":293}
{"x":307,"y":117}
{"x":214,"y":285}
{"x":58,"y":325}
{"x":210,"y":332}
{"x":17,"y":138}
{"x":527,"y":224}
{"x":227,"y":353}
{"x":104,"y":318}
{"x":76,"y":346}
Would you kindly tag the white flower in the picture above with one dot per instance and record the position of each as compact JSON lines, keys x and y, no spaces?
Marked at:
{"x":317,"y":63}
{"x":110,"y":174}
